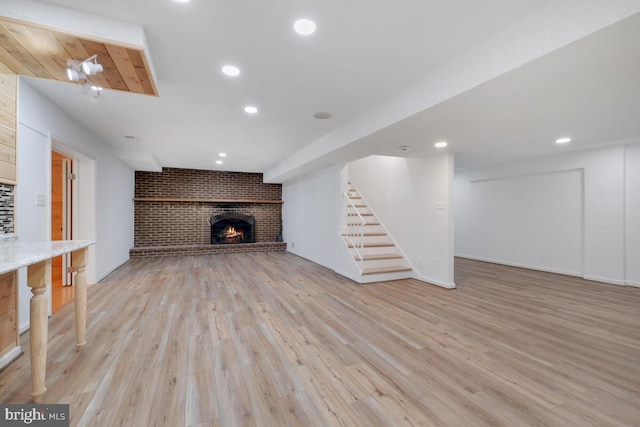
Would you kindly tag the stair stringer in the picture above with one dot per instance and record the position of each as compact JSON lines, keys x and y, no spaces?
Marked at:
{"x":349,"y":266}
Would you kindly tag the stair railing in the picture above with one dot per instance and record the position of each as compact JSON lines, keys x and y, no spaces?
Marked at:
{"x":355,"y":231}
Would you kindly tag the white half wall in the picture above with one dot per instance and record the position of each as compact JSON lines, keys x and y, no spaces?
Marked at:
{"x":112,"y":189}
{"x":514,"y":212}
{"x":413,"y":200}
{"x":311,"y":216}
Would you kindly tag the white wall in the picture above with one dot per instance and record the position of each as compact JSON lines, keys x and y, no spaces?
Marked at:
{"x":632,"y":215}
{"x":405,"y":194}
{"x":113,"y":186}
{"x":311,"y":216}
{"x":526,"y":221}
{"x":540,"y":207}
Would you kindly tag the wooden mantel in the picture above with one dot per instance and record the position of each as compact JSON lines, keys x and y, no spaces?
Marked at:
{"x":36,"y":256}
{"x":192,"y":200}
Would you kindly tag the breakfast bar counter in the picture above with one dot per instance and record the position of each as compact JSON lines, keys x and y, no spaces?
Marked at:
{"x":36,"y":256}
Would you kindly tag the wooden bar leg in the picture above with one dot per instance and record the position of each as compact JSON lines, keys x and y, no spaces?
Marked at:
{"x":79,"y":260}
{"x":37,"y":277}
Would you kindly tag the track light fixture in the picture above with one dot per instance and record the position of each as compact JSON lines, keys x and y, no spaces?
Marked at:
{"x":92,"y":68}
{"x":79,"y":70}
{"x":75,"y":75}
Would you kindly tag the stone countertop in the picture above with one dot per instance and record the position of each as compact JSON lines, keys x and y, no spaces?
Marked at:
{"x":15,"y":254}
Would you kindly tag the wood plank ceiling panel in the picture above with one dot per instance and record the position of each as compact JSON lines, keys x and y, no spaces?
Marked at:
{"x":48,"y":53}
{"x":111,"y":73}
{"x":137,"y":59}
{"x":127,"y":71}
{"x":35,"y":51}
{"x":76,"y":49}
{"x":22,"y":54}
{"x":14,"y":64}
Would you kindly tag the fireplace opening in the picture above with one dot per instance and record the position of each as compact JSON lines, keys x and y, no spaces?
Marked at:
{"x":231,"y":227}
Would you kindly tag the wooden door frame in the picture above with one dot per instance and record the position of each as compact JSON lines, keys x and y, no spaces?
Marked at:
{"x":84,"y":226}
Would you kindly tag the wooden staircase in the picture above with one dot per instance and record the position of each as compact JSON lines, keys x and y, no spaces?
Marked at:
{"x":369,"y":243}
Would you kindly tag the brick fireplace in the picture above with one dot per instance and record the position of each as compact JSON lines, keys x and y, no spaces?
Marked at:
{"x":174,"y":208}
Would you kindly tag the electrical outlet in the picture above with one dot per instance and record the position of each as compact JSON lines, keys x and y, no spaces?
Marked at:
{"x":41,"y":199}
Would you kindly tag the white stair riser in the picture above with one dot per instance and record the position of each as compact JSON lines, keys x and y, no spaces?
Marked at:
{"x":375,"y":251}
{"x":367,"y":229}
{"x":370,"y":239}
{"x":371,"y":278}
{"x":383,"y":263}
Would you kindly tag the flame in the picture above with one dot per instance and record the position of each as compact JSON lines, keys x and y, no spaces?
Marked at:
{"x":232,"y":234}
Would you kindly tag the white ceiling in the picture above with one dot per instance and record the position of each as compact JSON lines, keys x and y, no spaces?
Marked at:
{"x":363,"y":53}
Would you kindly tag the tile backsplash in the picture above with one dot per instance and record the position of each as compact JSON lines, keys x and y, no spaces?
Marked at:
{"x":6,"y":208}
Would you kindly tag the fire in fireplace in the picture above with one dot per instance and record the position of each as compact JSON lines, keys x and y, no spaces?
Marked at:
{"x":231,"y":227}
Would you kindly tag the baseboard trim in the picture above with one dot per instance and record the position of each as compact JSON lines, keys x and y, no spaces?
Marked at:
{"x":104,"y":276}
{"x":519,"y":265}
{"x":10,"y":357}
{"x":604,"y":280}
{"x":551,"y":270}
{"x":355,"y":278}
{"x":434,"y":282}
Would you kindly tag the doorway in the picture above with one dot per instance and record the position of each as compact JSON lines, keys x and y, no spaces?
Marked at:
{"x":62,"y":200}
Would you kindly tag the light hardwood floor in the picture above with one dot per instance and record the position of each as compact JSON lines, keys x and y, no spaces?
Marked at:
{"x":273,"y":340}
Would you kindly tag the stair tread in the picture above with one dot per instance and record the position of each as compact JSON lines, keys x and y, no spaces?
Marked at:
{"x":381,"y":257}
{"x":381,"y":270}
{"x":366,"y":224}
{"x":374,"y":245}
{"x":362,"y":214}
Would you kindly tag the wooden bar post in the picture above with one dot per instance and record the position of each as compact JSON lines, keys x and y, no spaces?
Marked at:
{"x":79,"y":261}
{"x":38,"y":275}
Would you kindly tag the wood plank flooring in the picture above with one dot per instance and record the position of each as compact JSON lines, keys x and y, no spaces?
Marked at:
{"x":60,"y":296}
{"x":269,"y":339}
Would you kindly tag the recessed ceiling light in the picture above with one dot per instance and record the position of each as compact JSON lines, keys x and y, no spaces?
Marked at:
{"x":250,"y":109}
{"x":304,"y":27}
{"x":218,"y":162}
{"x":563,"y":140}
{"x":222,"y":154}
{"x":231,"y":70}
{"x":322,"y":115}
{"x":440,"y":144}
{"x":182,"y":1}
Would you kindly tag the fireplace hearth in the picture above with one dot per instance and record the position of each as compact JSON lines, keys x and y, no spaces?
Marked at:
{"x":231,"y":227}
